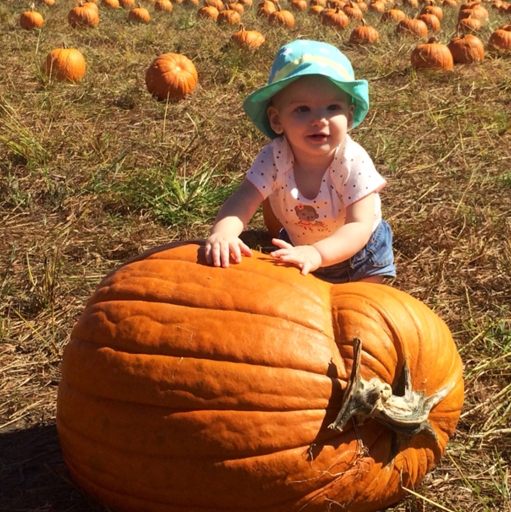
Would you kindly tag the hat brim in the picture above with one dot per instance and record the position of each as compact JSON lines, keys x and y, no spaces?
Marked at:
{"x":257,"y":103}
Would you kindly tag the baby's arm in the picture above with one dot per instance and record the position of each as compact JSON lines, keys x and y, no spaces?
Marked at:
{"x":339,"y":246}
{"x":236,"y":212}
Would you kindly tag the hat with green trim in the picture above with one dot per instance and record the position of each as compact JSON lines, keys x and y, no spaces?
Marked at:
{"x":303,"y":57}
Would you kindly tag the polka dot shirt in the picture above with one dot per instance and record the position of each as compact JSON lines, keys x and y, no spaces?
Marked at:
{"x":350,"y":177}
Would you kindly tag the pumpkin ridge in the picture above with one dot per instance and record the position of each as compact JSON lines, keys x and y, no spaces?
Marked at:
{"x":310,"y":312}
{"x":222,"y":455}
{"x":131,"y":503}
{"x":176,"y":383}
{"x":288,"y":344}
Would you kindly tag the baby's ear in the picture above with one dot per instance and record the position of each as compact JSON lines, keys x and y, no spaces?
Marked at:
{"x":274,"y":118}
{"x":351,"y":116}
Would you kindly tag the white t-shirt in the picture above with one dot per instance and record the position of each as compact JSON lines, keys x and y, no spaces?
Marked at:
{"x":350,"y":177}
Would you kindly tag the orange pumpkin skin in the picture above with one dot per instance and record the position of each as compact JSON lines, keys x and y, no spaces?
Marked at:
{"x":83,"y":15}
{"x":432,"y":55}
{"x":65,"y":64}
{"x":181,"y":394}
{"x":31,"y":19}
{"x":171,"y":75}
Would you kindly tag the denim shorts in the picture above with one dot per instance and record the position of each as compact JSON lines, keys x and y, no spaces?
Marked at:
{"x":375,"y":259}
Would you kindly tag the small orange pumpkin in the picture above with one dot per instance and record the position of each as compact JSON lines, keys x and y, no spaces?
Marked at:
{"x":171,"y":76}
{"x":127,"y":4}
{"x":432,"y":55}
{"x":251,"y":39}
{"x":377,"y":6}
{"x":139,"y":14}
{"x":393,"y":15}
{"x":282,"y":17}
{"x":266,"y":8}
{"x":430,"y":8}
{"x":364,"y":34}
{"x":412,"y":27}
{"x":163,"y":5}
{"x":299,"y":5}
{"x":316,"y":10}
{"x":467,"y":25}
{"x":352,"y":11}
{"x":335,"y":18}
{"x":229,"y":16}
{"x":31,"y":19}
{"x":111,"y":4}
{"x":466,"y":49}
{"x":65,"y":64}
{"x":208,"y":12}
{"x":217,"y":4}
{"x":85,"y":14}
{"x":500,"y":38}
{"x":432,"y":22}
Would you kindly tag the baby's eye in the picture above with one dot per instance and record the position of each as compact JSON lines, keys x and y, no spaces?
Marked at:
{"x":302,"y":109}
{"x":335,"y":106}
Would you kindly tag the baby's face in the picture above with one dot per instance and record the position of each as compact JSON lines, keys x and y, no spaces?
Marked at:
{"x":313,"y":113}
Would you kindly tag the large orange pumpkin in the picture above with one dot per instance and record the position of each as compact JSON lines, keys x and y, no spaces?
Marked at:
{"x":192,"y":388}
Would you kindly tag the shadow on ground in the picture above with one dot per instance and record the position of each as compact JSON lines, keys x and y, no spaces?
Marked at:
{"x":33,"y":475}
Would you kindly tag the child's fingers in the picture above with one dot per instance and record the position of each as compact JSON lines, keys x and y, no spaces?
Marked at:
{"x":281,"y":243}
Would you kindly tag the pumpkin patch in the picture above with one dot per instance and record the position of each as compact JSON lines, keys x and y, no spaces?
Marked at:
{"x":96,"y":168}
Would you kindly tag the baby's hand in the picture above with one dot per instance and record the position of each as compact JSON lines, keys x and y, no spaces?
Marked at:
{"x":305,"y":257}
{"x":220,"y":248}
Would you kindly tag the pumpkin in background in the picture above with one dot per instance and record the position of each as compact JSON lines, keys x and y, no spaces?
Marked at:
{"x":192,"y":388}
{"x":431,"y":21}
{"x":31,"y":19}
{"x":209,"y":12}
{"x":393,"y":15}
{"x":412,"y":27}
{"x":364,"y":34}
{"x":431,"y":8}
{"x":500,"y":39}
{"x":65,"y":64}
{"x":316,"y":10}
{"x":335,"y":18}
{"x":85,"y":14}
{"x":432,"y":55}
{"x":171,"y":76}
{"x":469,"y":24}
{"x":377,"y":6}
{"x":466,"y":49}
{"x":139,"y":14}
{"x":266,"y":8}
{"x":353,"y":11}
{"x":111,"y":4}
{"x":251,"y":39}
{"x":229,"y":16}
{"x":282,"y":18}
{"x":299,"y":5}
{"x":127,"y":4}
{"x":163,"y":5}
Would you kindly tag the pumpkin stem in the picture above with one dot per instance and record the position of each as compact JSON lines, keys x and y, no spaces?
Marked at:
{"x":405,"y":413}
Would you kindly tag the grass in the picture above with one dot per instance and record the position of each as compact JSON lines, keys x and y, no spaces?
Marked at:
{"x":94,"y":173}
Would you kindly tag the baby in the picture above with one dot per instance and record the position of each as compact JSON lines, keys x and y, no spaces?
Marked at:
{"x":322,"y":186}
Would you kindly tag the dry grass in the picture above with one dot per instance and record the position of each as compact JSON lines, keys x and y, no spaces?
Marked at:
{"x":95,"y":173}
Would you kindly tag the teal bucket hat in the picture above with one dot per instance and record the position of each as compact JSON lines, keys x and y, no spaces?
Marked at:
{"x":304,"y":57}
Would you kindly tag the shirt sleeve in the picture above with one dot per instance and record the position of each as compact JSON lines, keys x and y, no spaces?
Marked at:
{"x":263,"y":172}
{"x":363,"y":178}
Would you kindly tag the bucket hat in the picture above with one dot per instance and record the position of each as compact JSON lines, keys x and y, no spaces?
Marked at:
{"x":304,"y":57}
